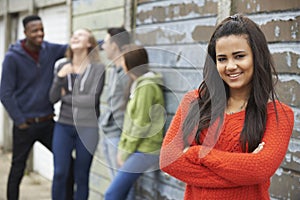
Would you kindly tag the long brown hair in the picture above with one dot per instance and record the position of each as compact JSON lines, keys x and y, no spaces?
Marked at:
{"x":207,"y":109}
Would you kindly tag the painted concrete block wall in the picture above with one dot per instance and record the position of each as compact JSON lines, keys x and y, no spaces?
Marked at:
{"x":176,"y":34}
{"x":97,"y":15}
{"x":280,"y":22}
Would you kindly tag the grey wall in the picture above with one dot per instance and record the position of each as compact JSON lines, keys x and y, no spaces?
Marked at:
{"x":176,"y":34}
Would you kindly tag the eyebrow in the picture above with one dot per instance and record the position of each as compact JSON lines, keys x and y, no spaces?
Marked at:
{"x":234,"y":53}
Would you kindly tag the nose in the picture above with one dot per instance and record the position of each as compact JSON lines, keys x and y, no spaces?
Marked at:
{"x":231,"y":65}
{"x":40,"y":32}
{"x":103,"y":45}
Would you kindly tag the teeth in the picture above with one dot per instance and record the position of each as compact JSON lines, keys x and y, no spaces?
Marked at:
{"x":233,"y":75}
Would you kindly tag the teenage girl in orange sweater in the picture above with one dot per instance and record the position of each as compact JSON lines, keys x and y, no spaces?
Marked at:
{"x":228,"y":137}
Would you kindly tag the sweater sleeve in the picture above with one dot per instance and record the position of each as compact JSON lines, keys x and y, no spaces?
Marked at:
{"x":55,"y":90}
{"x":7,"y":90}
{"x":184,"y":166}
{"x":137,"y":120}
{"x":249,"y":168}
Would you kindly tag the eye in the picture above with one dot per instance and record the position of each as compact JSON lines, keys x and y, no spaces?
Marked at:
{"x":239,"y":56}
{"x":221,"y":59}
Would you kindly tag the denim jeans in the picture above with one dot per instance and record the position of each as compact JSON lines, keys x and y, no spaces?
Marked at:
{"x":133,"y":168}
{"x":84,"y":141}
{"x":23,"y":140}
{"x":110,"y":149}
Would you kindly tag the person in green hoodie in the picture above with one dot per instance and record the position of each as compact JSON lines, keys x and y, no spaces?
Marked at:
{"x":144,"y":120}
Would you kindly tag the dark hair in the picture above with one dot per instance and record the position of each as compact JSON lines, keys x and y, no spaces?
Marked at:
{"x":136,"y":61}
{"x":208,"y":110}
{"x":93,"y":50}
{"x":119,"y":35}
{"x":30,"y":18}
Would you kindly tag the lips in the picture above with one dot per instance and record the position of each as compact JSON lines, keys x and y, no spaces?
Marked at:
{"x":234,"y":75}
{"x":39,"y":39}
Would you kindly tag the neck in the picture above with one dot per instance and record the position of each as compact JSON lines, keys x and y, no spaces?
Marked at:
{"x":117,"y":58}
{"x":237,"y":103}
{"x":118,"y":61}
{"x":80,"y":61}
{"x":79,"y":58}
{"x":31,"y":47}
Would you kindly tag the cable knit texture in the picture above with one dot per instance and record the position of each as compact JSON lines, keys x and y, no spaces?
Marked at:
{"x":218,"y":169}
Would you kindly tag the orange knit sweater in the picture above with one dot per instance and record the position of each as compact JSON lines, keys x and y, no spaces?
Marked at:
{"x":223,"y":171}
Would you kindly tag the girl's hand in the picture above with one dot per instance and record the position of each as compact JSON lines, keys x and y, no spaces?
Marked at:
{"x":119,"y":159}
{"x":259,"y":148}
{"x":65,"y":70}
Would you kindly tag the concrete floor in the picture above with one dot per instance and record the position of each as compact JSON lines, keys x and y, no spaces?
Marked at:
{"x":33,"y":186}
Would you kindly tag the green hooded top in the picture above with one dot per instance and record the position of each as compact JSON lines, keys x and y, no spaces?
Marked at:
{"x":144,"y":117}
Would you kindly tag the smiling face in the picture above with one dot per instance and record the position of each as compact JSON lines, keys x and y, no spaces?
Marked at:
{"x":110,"y":47}
{"x":80,"y":40}
{"x":234,"y":59}
{"x":34,"y":32}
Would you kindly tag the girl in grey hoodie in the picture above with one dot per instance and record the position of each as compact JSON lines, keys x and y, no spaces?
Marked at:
{"x":78,"y":83}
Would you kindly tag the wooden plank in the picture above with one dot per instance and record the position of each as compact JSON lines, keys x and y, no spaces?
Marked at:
{"x":99,"y":21}
{"x":288,"y":89}
{"x":179,"y":32}
{"x":44,"y":3}
{"x":165,"y":11}
{"x":98,"y":183}
{"x":17,"y":5}
{"x":287,"y":62}
{"x":172,"y":100}
{"x":285,"y":185}
{"x":3,"y":8}
{"x":282,"y":30}
{"x":147,"y":1}
{"x":85,"y":7}
{"x":250,"y":6}
{"x":296,"y":133}
{"x":186,"y":56}
{"x":100,"y":34}
{"x":292,"y":157}
{"x":180,"y":80}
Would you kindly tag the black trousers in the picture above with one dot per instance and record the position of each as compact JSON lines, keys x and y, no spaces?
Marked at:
{"x":23,"y":141}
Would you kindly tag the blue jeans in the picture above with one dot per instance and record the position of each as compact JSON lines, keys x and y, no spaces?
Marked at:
{"x":133,"y":168}
{"x":110,"y":150}
{"x":67,"y":138}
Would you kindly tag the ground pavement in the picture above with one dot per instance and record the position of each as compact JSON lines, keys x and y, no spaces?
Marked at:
{"x":33,"y":186}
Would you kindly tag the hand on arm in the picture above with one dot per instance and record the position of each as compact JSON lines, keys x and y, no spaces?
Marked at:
{"x":65,"y":70}
{"x":184,"y":163}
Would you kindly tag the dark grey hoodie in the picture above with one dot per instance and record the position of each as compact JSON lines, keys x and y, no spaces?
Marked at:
{"x":80,"y":105}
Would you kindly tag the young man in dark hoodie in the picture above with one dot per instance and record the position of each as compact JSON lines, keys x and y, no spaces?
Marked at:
{"x":27,"y":74}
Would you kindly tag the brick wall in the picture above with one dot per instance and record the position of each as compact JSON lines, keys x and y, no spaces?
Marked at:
{"x":176,"y":35}
{"x":279,"y":21}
